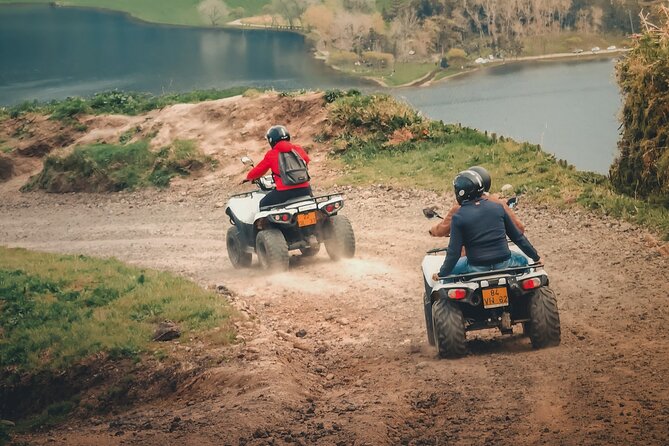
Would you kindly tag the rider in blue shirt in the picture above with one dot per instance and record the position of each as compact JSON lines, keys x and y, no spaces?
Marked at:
{"x":481,"y":226}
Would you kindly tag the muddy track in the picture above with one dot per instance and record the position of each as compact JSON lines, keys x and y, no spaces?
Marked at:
{"x":361,"y":371}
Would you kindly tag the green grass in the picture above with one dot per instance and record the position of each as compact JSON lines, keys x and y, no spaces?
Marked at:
{"x":566,"y":42}
{"x":173,"y":12}
{"x":115,"y":167}
{"x":114,"y":101}
{"x":432,"y":164}
{"x":377,"y":139}
{"x":404,"y":72}
{"x":59,"y":309}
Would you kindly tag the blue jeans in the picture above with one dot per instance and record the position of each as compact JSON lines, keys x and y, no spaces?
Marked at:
{"x":464,"y":267}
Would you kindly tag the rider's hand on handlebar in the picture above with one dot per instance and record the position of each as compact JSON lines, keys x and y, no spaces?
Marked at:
{"x":435,"y":277}
{"x":245,"y":180}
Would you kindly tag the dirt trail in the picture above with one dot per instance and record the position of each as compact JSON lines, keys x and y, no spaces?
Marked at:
{"x":363,"y":373}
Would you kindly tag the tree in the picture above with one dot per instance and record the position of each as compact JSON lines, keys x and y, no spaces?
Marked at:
{"x":212,"y":11}
{"x":290,"y":10}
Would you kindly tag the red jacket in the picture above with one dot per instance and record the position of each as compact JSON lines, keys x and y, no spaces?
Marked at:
{"x":271,"y":161}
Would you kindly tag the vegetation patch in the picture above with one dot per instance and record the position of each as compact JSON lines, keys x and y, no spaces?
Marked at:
{"x":110,"y":167}
{"x":377,"y":120}
{"x":60,"y":315}
{"x":382,"y":141}
{"x":642,"y":166}
{"x":114,"y":102}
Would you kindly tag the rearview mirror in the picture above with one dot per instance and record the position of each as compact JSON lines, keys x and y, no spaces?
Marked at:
{"x":430,"y":213}
{"x":511,"y":202}
{"x":247,"y":161}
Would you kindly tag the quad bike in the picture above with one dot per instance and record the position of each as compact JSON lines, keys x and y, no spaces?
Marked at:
{"x":500,"y":298}
{"x":273,"y":231}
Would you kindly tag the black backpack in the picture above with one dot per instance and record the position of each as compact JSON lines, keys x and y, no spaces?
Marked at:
{"x":292,"y":168}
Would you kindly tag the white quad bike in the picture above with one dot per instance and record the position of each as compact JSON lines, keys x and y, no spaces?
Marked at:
{"x":273,"y":231}
{"x":457,"y":304}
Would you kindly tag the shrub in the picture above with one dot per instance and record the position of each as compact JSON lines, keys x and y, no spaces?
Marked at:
{"x":110,"y":168}
{"x":642,"y":166}
{"x":378,"y":60}
{"x":69,"y":109}
{"x":22,"y":108}
{"x":343,"y":58}
{"x":456,"y":53}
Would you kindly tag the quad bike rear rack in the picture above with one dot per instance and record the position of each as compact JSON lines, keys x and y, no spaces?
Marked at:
{"x":309,"y":201}
{"x":515,"y":269}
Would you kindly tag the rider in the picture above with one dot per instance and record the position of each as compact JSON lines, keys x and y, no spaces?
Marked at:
{"x":443,"y":228}
{"x":481,"y":226}
{"x":279,"y":141}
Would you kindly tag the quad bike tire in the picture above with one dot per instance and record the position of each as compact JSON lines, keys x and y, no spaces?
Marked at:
{"x":544,"y":326}
{"x":340,"y":240}
{"x":236,"y":253}
{"x":272,"y":250}
{"x":311,"y":251}
{"x":449,"y":329}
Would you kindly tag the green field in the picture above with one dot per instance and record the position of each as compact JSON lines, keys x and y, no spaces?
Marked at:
{"x":175,"y":12}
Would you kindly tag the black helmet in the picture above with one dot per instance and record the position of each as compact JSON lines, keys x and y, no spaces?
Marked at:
{"x":277,"y":133}
{"x":485,"y":176}
{"x":468,"y":185}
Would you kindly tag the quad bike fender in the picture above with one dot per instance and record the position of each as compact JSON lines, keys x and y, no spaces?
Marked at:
{"x":244,"y":208}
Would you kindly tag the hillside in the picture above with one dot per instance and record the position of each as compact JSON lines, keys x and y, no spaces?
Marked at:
{"x":336,"y":353}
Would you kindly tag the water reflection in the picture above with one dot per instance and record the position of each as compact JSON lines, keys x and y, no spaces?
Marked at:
{"x":80,"y":51}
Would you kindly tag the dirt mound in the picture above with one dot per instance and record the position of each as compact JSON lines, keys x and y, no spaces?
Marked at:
{"x":224,"y":129}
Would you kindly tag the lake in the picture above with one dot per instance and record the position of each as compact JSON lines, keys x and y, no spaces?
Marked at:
{"x":50,"y":53}
{"x":570,"y":108}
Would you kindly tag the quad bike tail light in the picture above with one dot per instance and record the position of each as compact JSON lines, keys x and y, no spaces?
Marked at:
{"x":332,"y":207}
{"x":530,"y":284}
{"x":281,"y":218}
{"x":457,"y":293}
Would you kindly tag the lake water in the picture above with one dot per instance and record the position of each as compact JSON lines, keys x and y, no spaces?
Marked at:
{"x":47,"y":53}
{"x":570,"y":108}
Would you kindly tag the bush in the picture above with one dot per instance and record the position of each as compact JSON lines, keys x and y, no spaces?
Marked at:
{"x":110,"y":168}
{"x":69,"y":109}
{"x":332,"y":95}
{"x":642,"y":166}
{"x":343,"y":58}
{"x":22,"y":108}
{"x":456,"y":53}
{"x":378,"y":60}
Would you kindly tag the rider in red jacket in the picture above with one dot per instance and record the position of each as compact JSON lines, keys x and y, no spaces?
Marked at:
{"x":279,"y":139}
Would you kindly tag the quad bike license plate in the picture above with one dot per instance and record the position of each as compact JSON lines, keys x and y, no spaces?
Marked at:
{"x":307,"y":219}
{"x":495,"y":297}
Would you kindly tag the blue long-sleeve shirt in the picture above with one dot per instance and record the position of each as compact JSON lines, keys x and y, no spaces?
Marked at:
{"x":481,"y":226}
